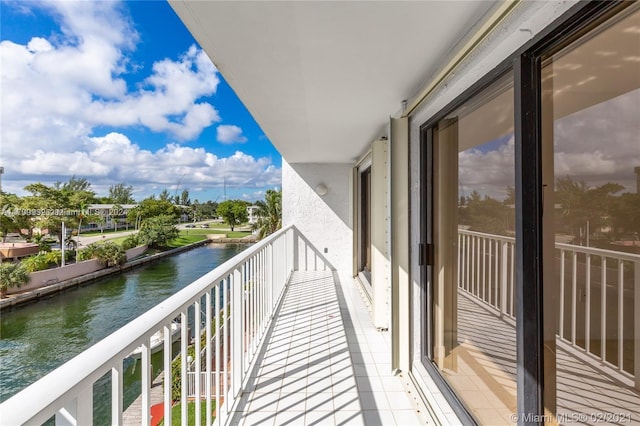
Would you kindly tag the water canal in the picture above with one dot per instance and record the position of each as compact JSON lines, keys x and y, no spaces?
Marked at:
{"x":37,"y":338}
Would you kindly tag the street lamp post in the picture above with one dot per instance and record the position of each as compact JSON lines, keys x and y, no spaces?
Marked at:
{"x":62,"y":242}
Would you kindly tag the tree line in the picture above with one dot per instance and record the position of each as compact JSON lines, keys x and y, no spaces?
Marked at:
{"x":48,"y":206}
{"x":603,"y":212}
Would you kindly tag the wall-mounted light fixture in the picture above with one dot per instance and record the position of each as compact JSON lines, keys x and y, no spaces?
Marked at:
{"x":321,"y":189}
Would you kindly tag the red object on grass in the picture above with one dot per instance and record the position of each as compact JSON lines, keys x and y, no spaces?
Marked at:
{"x":157,"y":413}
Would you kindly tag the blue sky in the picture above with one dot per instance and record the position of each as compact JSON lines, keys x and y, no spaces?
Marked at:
{"x":121,"y":92}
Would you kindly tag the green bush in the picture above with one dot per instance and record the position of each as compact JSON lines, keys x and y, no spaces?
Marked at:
{"x":156,"y":232}
{"x":12,"y":275}
{"x":108,"y":253}
{"x":130,"y":242}
{"x":41,"y":261}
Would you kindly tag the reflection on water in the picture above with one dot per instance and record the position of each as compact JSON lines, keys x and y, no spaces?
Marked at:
{"x":37,"y":338}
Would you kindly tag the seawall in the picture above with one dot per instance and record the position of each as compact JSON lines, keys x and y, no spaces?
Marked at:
{"x":32,"y":295}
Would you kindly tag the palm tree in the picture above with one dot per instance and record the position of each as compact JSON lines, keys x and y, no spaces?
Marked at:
{"x":12,"y":275}
{"x":269,"y":214}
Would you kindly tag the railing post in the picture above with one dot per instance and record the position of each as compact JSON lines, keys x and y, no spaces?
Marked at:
{"x":184,"y":333}
{"x":116,"y":394}
{"x":295,"y":259}
{"x":219,"y":324}
{"x":66,"y":416}
{"x":512,"y":280}
{"x":574,"y":295}
{"x":197,"y":308}
{"x":209,"y":355}
{"x":603,"y":309}
{"x":469,"y":263}
{"x":483,"y":269}
{"x":620,"y":314}
{"x":146,"y":379}
{"x":636,"y":301}
{"x":236,"y":333}
{"x":227,"y":283}
{"x":561,"y":318}
{"x":84,"y":410}
{"x":472,"y":264}
{"x":270,"y":277}
{"x":79,"y":411}
{"x":460,"y":260}
{"x":587,"y":304}
{"x":495,"y":272}
{"x":166,"y":330}
{"x":504,"y":277}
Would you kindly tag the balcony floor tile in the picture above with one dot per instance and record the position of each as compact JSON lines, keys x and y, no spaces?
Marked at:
{"x":325,"y":363}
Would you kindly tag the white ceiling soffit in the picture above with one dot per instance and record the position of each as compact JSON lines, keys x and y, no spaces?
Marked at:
{"x":322,"y":78}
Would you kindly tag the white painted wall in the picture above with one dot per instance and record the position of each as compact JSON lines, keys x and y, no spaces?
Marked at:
{"x":324,"y":220}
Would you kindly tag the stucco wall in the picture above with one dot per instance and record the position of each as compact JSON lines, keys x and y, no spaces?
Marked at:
{"x":56,"y":275}
{"x":324,"y":220}
{"x":135,"y":252}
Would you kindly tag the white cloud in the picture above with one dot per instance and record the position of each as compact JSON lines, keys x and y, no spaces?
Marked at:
{"x":488,"y":172}
{"x":596,"y":145}
{"x":53,"y":163}
{"x":56,"y":91}
{"x":228,"y":133}
{"x":114,"y":158}
{"x":601,"y":143}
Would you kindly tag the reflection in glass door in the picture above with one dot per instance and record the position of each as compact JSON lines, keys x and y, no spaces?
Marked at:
{"x":591,"y":151}
{"x":473,"y":341}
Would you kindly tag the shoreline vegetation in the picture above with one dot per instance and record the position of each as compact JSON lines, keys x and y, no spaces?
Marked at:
{"x":186,"y":240}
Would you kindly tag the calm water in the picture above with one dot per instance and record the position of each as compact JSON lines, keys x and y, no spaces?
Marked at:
{"x":37,"y":338}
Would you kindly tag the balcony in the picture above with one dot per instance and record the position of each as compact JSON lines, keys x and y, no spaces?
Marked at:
{"x":294,"y":345}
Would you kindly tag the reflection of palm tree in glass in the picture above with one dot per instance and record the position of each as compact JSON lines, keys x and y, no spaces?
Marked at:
{"x":596,"y":208}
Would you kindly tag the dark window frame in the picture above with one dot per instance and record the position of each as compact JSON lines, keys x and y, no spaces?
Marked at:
{"x":364,"y":222}
{"x":525,"y":64}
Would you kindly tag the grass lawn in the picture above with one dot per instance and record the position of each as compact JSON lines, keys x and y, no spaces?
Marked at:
{"x":182,"y":240}
{"x":190,"y":236}
{"x":185,"y":239}
{"x":106,"y":232}
{"x":176,"y":412}
{"x":118,"y":240}
{"x":237,"y":234}
{"x":204,"y":231}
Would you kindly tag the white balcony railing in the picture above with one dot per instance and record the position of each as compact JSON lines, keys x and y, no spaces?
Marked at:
{"x":234,"y":303}
{"x":486,"y":271}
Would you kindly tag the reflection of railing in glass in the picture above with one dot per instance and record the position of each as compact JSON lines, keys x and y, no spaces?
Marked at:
{"x":486,"y":272}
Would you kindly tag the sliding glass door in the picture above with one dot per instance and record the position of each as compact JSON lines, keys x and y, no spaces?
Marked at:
{"x":471,"y":155}
{"x":530,"y":236}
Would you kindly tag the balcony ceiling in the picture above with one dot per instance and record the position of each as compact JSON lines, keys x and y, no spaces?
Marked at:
{"x":322,"y":78}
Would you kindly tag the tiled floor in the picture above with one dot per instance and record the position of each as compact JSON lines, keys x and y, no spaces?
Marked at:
{"x":325,"y":364}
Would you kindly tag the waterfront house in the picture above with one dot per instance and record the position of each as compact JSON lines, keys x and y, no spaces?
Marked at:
{"x":252,"y":212}
{"x":112,"y":216}
{"x":408,"y":131}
